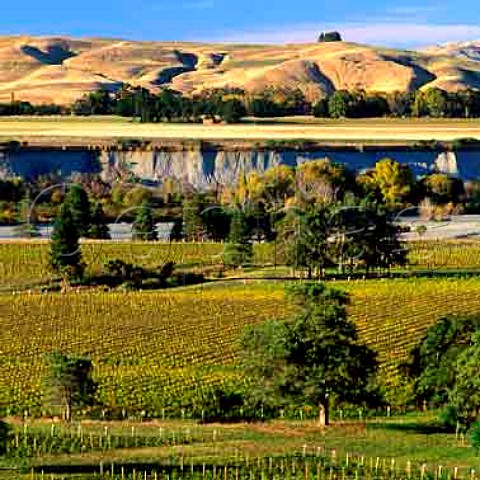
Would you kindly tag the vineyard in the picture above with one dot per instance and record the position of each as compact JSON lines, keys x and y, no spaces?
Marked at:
{"x":383,"y":448}
{"x":155,"y":350}
{"x":27,"y":264}
{"x":145,"y":345}
{"x":159,"y":356}
{"x":288,"y":467}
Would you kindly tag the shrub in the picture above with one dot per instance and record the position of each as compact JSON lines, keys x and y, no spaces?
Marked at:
{"x":474,"y":435}
{"x":448,"y":418}
{"x":4,"y":434}
{"x":237,"y":254}
{"x":187,"y":278}
{"x":119,"y":272}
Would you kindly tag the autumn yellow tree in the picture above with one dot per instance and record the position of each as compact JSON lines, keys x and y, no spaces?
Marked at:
{"x":389,"y":180}
{"x":277,"y":185}
{"x":442,"y":188}
{"x":322,"y":181}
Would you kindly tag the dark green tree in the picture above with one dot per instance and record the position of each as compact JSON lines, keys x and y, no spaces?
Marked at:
{"x":265,"y":362}
{"x":370,"y":106}
{"x":232,"y":110}
{"x":349,"y":232}
{"x":432,"y":363}
{"x":65,"y":253}
{"x":193,"y":225}
{"x":216,"y":221}
{"x":144,"y":227}
{"x":176,"y":233}
{"x":143,"y":105}
{"x":118,"y":272}
{"x":330,"y":37}
{"x":339,"y":104}
{"x":315,"y":357}
{"x":464,"y":397}
{"x":468,"y":103}
{"x":238,"y":251}
{"x":379,"y":245}
{"x":303,"y":235}
{"x":68,"y":383}
{"x":320,"y":109}
{"x":78,"y":203}
{"x":260,"y":221}
{"x":100,"y":102}
{"x":98,"y":224}
{"x":264,"y":107}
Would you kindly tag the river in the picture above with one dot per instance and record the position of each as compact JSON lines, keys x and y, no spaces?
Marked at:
{"x":118,"y":231}
{"x":454,"y":227}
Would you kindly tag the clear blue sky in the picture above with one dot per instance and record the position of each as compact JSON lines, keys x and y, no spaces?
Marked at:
{"x":406,"y":23}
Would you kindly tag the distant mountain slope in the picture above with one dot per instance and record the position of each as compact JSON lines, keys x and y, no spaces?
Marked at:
{"x":62,"y":69}
{"x":462,"y":50}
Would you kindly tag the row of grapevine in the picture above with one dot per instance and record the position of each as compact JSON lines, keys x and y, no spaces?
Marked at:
{"x":24,"y":264}
{"x":158,"y":351}
{"x":289,"y":467}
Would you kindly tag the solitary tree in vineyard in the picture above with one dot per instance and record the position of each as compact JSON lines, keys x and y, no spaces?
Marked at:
{"x":433,"y":361}
{"x":465,"y":395}
{"x":69,"y":383}
{"x":313,"y":358}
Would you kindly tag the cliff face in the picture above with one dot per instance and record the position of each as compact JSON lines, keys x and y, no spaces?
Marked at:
{"x":197,"y":168}
{"x":203,"y":168}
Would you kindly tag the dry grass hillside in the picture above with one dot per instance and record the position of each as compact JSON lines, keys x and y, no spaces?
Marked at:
{"x":44,"y":70}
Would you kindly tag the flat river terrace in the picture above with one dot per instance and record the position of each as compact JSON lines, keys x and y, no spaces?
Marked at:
{"x":82,"y":131}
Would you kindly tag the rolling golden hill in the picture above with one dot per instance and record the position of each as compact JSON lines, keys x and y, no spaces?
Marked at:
{"x":60,"y":69}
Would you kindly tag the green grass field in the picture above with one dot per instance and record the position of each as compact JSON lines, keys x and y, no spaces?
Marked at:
{"x":397,"y":447}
